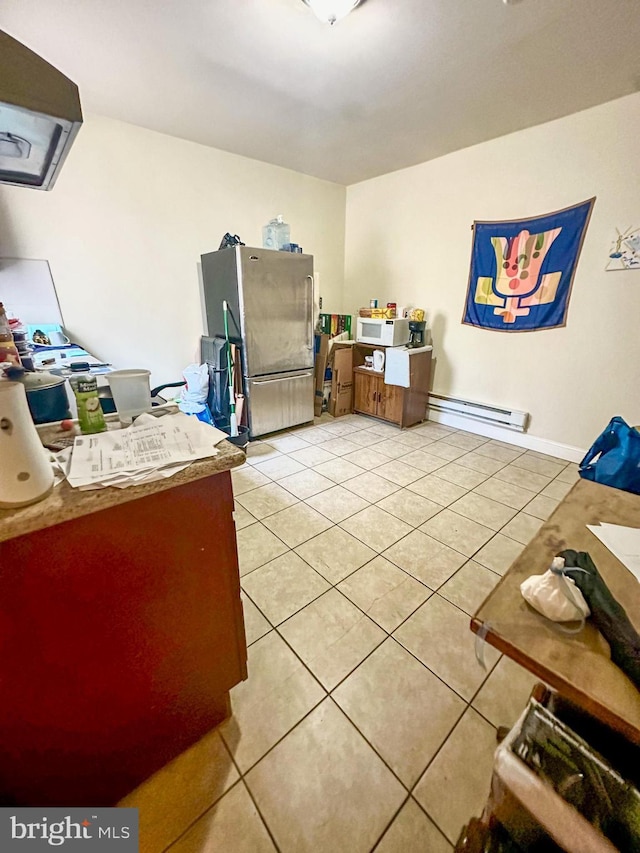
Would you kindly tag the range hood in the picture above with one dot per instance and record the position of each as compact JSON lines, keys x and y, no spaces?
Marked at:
{"x":40,"y":116}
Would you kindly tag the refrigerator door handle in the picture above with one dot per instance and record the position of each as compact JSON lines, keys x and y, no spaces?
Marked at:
{"x":310,"y":345}
{"x":284,"y":379}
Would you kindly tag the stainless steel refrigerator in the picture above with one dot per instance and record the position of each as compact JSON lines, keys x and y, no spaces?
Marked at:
{"x":270,"y":300}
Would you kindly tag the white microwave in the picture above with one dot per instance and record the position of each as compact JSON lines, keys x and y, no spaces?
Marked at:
{"x":384,"y":333}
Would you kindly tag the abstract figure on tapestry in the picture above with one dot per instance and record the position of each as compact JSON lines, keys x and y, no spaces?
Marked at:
{"x":522,"y":271}
{"x":625,"y":250}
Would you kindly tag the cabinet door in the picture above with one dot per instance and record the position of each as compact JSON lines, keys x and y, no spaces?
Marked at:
{"x":391,"y":402}
{"x":365,"y":393}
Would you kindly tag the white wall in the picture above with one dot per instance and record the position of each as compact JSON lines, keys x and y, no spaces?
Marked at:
{"x":127,"y":221}
{"x":409,"y":241}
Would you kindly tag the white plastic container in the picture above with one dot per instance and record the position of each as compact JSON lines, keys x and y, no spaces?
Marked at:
{"x":131,"y":391}
{"x":26,"y":475}
{"x":276,"y":233}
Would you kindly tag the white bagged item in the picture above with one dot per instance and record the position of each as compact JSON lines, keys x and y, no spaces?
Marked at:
{"x":194,"y":395}
{"x":555,"y":595}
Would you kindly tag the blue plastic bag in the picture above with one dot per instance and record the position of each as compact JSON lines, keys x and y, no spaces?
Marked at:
{"x":614,"y":458}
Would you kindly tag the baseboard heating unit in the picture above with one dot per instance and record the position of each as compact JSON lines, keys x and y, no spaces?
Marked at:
{"x":480,"y":412}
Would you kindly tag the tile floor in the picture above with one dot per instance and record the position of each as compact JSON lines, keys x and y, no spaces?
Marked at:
{"x":366,"y":722}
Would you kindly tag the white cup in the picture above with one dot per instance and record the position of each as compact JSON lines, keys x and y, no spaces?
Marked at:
{"x":378,"y":359}
{"x":131,"y":392}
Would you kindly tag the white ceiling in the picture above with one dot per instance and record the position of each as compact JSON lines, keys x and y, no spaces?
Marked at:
{"x":396,"y":83}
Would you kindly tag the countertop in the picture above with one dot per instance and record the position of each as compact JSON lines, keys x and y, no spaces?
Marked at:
{"x":65,"y":503}
{"x":577,"y":665}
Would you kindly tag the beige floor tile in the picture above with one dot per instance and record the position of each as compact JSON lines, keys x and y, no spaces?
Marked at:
{"x":332,"y":637}
{"x":338,"y":429}
{"x":499,"y":553}
{"x":539,"y":466}
{"x":337,"y":503}
{"x":522,"y":528}
{"x":241,"y":517}
{"x":541,"y":506}
{"x":448,"y":452}
{"x":365,"y":438}
{"x":461,"y":476}
{"x":456,"y":531}
{"x":501,"y":452}
{"x":376,"y":528}
{"x":570,"y":474}
{"x":411,"y":439}
{"x":246,"y":478}
{"x":385,"y":593}
{"x":261,"y":451}
{"x":438,"y":634}
{"x":277,"y":694}
{"x":233,"y":824}
{"x":323,"y":788}
{"x":266,"y":500}
{"x":278,"y":468}
{"x":288,"y":443}
{"x":306,"y":483}
{"x":466,"y":440}
{"x":392,"y":448}
{"x":399,"y":472}
{"x":385,"y":430}
{"x":525,"y":479}
{"x":545,"y":456}
{"x":296,"y":524}
{"x":482,"y":464}
{"x":409,"y":507}
{"x":311,"y":434}
{"x":425,"y":462}
{"x":339,"y":470}
{"x":456,"y":783}
{"x":557,"y":489}
{"x":335,"y":554}
{"x":283,"y":586}
{"x":366,"y":457}
{"x":483,"y":510}
{"x":170,"y":800}
{"x":505,"y":693}
{"x":315,"y":455}
{"x":256,"y":546}
{"x":255,"y":625}
{"x":469,"y":587}
{"x":371,"y":487}
{"x":505,"y":493}
{"x":434,"y":430}
{"x":413,"y":832}
{"x":434,"y":488}
{"x":340,"y":446}
{"x":403,"y":710}
{"x":425,"y":558}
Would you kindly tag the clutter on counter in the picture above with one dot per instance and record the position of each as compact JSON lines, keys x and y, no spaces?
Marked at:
{"x":152,"y":448}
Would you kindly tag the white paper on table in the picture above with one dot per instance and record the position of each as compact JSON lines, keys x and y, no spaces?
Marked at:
{"x":151,"y":449}
{"x":623,"y":542}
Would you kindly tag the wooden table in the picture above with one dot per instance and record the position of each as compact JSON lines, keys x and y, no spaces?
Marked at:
{"x":577,"y":666}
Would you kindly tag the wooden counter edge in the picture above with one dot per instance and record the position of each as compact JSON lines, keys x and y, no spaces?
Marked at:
{"x":65,"y":503}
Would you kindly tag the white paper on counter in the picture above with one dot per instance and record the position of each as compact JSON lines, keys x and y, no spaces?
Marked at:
{"x":150,"y":449}
{"x":623,"y":542}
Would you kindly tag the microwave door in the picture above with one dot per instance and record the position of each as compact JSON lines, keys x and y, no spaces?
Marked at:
{"x":372,"y":331}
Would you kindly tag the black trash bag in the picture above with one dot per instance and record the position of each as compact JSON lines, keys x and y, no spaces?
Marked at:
{"x":608,"y":615}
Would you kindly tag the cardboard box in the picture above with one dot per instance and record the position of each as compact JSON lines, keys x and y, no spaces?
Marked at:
{"x":341,"y":362}
{"x":338,"y":358}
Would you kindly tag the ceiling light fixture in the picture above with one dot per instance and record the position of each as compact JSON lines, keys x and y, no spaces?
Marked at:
{"x":330,"y":11}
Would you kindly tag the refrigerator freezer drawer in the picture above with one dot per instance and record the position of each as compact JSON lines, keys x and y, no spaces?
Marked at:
{"x":280,"y":401}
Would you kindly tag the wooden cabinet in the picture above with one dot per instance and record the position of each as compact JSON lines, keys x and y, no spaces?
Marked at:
{"x":121,"y":634}
{"x":394,"y":403}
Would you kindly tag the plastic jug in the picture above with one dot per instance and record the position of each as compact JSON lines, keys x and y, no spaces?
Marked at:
{"x":276,"y":233}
